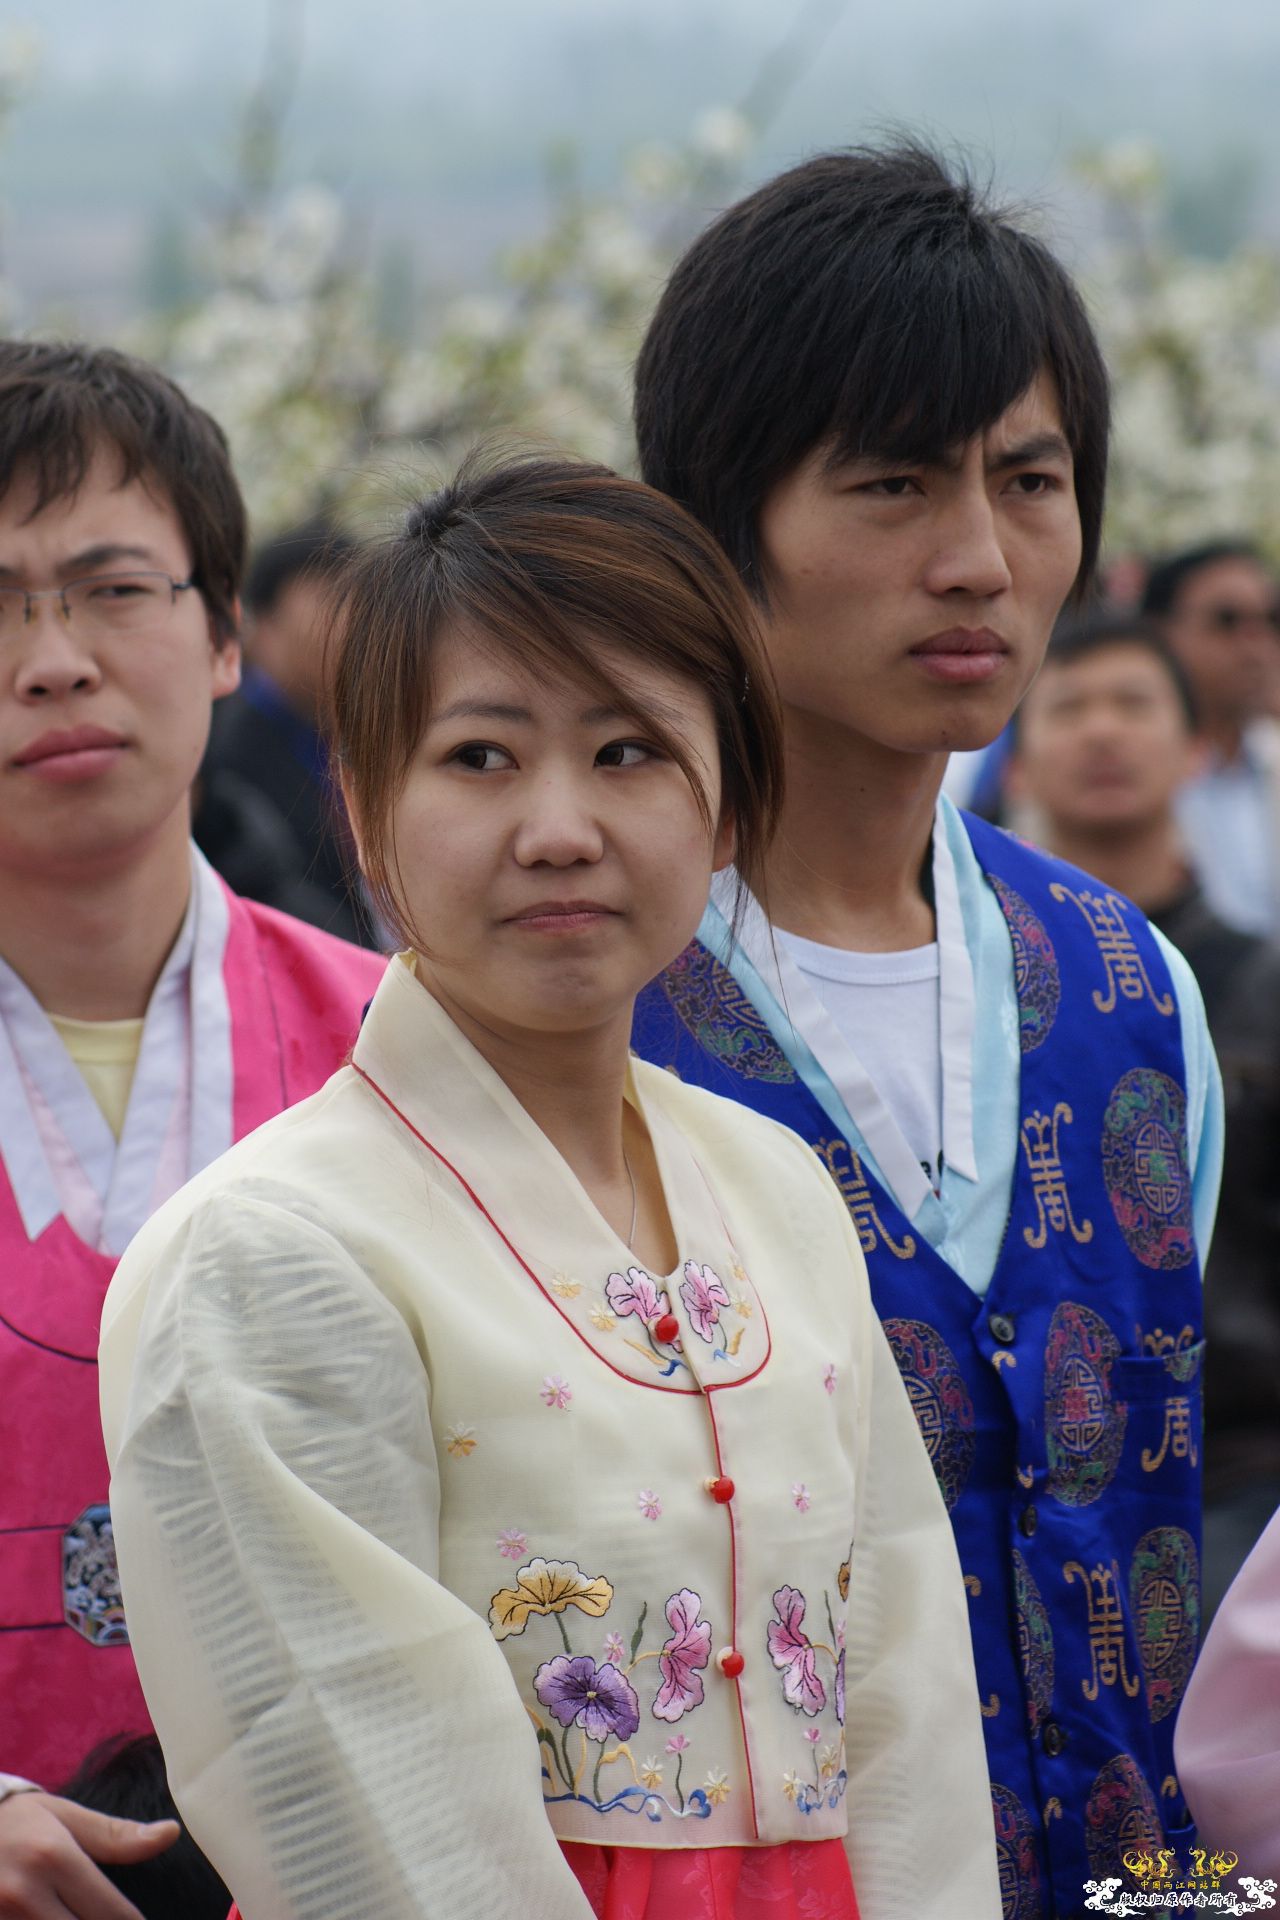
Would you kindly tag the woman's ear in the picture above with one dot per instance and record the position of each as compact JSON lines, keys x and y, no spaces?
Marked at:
{"x":353,"y":818}
{"x":723,"y":846}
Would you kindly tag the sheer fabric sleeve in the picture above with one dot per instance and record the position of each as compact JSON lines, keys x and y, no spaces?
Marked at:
{"x":921,"y":1832}
{"x":343,"y":1737}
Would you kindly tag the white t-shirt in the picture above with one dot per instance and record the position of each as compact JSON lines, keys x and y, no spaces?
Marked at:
{"x":886,"y":1006}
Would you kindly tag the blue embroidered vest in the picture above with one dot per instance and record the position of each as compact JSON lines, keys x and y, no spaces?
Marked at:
{"x":1062,"y":1411}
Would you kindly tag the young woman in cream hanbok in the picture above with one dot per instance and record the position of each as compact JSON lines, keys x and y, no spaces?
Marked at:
{"x":518,"y":1507}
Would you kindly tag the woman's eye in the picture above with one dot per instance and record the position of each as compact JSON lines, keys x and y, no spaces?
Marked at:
{"x":624,"y":753}
{"x":480,"y":758}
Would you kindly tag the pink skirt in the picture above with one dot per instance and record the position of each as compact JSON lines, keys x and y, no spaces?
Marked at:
{"x":798,"y":1881}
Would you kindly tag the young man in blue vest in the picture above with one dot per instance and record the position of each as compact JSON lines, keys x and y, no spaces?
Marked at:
{"x":887,"y":402}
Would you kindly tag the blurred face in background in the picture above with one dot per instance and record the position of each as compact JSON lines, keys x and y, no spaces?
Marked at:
{"x":286,"y":640}
{"x":1104,"y":742}
{"x":1225,"y":628}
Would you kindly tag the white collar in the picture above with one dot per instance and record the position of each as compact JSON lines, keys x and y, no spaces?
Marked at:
{"x":835,"y":1054}
{"x":58,"y":1151}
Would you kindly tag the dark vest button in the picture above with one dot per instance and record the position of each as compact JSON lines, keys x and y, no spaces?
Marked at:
{"x":1028,"y":1521}
{"x":1053,"y":1738}
{"x":1003,"y":1329}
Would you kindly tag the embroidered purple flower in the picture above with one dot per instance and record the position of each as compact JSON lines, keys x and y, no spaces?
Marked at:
{"x":703,"y":1293}
{"x":792,"y":1654}
{"x":649,"y":1504}
{"x":512,"y":1544}
{"x":579,"y":1693}
{"x":634,"y":1292}
{"x":840,"y":1685}
{"x":800,"y":1497}
{"x":614,"y":1651}
{"x":556,"y":1391}
{"x":829,"y":1379}
{"x":688,"y":1649}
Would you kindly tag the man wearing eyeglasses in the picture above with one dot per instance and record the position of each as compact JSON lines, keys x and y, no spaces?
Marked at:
{"x":1220,"y":609}
{"x":148,"y":1017}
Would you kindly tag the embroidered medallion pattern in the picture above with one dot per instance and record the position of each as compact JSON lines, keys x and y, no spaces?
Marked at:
{"x":1019,"y":1867}
{"x":1164,"y":1592}
{"x":1121,"y":1816}
{"x":1035,"y":967}
{"x":939,"y":1399}
{"x":1084,"y":1423}
{"x":721,"y":1018}
{"x":1035,"y":1643}
{"x":91,"y":1598}
{"x":1144,"y":1165}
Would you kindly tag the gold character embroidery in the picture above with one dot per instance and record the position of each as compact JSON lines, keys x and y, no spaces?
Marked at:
{"x":1106,"y":1629}
{"x":1126,"y":974}
{"x":1048,"y":1182}
{"x":845,"y":1168}
{"x":1178,"y":1440}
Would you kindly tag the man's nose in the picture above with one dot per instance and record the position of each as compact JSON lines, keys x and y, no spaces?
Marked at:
{"x":969,"y":556}
{"x":51,"y":661}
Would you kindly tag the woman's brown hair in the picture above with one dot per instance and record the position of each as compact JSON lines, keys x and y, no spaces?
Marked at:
{"x":561,"y":564}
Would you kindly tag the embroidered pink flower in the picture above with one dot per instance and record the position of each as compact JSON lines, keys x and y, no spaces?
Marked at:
{"x":813,"y":1735}
{"x":677,"y":1744}
{"x":829,"y":1379}
{"x":556,"y":1391}
{"x":634,"y":1292}
{"x":703,"y":1293}
{"x":512,"y":1544}
{"x":688,"y":1649}
{"x":614,"y":1651}
{"x":800,"y":1496}
{"x":649,"y":1504}
{"x":792,"y":1654}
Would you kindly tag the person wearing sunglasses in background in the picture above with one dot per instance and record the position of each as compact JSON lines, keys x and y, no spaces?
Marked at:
{"x":1219,"y":605}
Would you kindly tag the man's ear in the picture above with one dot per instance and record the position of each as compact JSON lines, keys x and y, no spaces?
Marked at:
{"x":227,"y":659}
{"x":723,"y":846}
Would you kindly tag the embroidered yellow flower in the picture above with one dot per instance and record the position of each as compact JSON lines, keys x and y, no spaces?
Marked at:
{"x":651,"y":1774}
{"x":743,"y":1307}
{"x":460,"y":1440}
{"x":791,"y":1784}
{"x":547,"y":1586}
{"x":829,"y":1761}
{"x":716,"y":1786}
{"x":566,"y":1288}
{"x":602,"y":1318}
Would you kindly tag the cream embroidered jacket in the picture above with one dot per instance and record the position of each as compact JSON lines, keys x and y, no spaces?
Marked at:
{"x":446,"y":1530}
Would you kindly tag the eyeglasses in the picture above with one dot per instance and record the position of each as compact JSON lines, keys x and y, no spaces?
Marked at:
{"x":103,"y":603}
{"x":1230,"y":619}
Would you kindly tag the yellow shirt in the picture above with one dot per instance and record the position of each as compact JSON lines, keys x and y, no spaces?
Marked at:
{"x":106,"y":1052}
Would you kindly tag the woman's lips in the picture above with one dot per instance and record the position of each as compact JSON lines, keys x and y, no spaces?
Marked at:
{"x":963,"y":656}
{"x":569,"y":916}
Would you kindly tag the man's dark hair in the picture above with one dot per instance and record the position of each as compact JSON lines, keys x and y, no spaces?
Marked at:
{"x":1105,"y":628}
{"x":1168,"y":577}
{"x":315,"y":549}
{"x":126,"y":1777}
{"x":868,"y":298}
{"x":59,"y":404}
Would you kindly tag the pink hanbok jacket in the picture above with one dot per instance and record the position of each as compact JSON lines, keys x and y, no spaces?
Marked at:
{"x":1228,"y":1739}
{"x":294,"y":998}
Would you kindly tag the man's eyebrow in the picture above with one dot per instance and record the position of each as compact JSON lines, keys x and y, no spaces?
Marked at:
{"x":1025,"y":453}
{"x":90,"y":558}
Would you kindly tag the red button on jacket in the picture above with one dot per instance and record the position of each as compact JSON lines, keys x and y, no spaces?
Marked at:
{"x":721,"y":1490}
{"x":666,"y":1329}
{"x":730,"y":1662}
